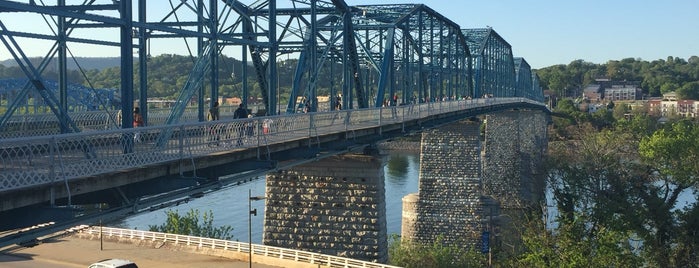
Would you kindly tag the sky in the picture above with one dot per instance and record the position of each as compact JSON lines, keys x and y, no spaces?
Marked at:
{"x":543,"y":32}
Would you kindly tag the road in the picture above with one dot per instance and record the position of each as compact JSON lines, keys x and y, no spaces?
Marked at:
{"x":68,"y":251}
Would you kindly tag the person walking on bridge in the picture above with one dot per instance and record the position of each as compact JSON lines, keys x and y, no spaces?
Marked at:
{"x":137,"y":122}
{"x":240,"y":113}
{"x":214,"y":131}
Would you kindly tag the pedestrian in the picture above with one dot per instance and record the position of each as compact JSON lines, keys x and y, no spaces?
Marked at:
{"x":214,"y":115}
{"x":240,"y":113}
{"x":266,"y":124}
{"x":137,"y":122}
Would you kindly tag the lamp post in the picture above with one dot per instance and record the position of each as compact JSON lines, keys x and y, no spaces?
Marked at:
{"x":250,"y":214}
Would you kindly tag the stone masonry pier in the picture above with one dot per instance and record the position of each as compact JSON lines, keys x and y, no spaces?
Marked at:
{"x":449,"y":202}
{"x":333,"y":206}
{"x":466,"y":189}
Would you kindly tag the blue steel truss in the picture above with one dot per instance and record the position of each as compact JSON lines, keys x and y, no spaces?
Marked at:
{"x":494,"y":71}
{"x":360,"y":56}
{"x":523,"y":73}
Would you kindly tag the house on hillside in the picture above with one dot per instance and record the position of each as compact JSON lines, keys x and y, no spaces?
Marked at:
{"x":593,"y":92}
{"x":607,"y":90}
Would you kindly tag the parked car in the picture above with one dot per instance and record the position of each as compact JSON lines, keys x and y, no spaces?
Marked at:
{"x":113,"y":263}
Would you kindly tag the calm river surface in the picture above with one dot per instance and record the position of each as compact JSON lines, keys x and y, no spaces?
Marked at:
{"x":230,"y":205}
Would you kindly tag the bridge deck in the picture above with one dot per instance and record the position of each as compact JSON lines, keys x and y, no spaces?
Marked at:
{"x":45,"y":161}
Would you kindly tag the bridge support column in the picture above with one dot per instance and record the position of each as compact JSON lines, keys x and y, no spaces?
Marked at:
{"x":333,"y":206}
{"x":515,"y":142}
{"x":449,"y":203}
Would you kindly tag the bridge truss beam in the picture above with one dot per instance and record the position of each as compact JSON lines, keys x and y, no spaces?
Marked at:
{"x":365,"y":54}
{"x":494,"y":71}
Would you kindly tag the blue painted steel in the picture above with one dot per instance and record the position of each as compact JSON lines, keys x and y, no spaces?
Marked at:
{"x":35,"y":79}
{"x":143,"y":61}
{"x":523,"y":73}
{"x":386,"y":68}
{"x":396,"y":49}
{"x":494,"y":73}
{"x":126,"y":66}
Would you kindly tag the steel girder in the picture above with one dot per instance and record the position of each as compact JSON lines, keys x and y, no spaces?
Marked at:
{"x":527,"y":81}
{"x":537,"y":91}
{"x":494,"y":72}
{"x":63,"y":21}
{"x":523,"y":72}
{"x":373,"y":51}
{"x":415,"y":52}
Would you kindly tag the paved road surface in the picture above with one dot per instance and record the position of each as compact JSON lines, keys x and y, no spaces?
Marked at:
{"x":76,"y":252}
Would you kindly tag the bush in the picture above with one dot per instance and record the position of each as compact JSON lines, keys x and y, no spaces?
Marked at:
{"x":190,"y":225}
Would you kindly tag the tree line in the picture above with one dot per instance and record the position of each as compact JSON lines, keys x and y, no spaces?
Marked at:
{"x":168,"y":73}
{"x":655,"y":77}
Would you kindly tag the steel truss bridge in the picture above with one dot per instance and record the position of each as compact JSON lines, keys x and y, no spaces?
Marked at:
{"x":366,"y":54}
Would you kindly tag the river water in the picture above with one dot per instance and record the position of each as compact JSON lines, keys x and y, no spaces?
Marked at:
{"x":230,"y":205}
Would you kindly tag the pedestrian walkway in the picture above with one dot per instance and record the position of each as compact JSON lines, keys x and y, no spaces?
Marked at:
{"x":72,"y":251}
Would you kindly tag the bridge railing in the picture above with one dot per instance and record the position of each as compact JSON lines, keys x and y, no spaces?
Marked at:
{"x":219,"y":244}
{"x":52,"y":159}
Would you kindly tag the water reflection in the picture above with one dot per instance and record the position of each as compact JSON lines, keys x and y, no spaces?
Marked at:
{"x":398,"y":165}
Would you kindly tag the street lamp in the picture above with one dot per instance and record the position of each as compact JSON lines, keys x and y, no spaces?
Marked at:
{"x":252,"y":212}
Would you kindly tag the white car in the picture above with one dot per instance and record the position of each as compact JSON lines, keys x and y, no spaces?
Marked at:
{"x":113,"y":263}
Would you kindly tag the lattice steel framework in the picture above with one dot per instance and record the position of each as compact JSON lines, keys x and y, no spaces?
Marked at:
{"x":365,"y":53}
{"x":538,"y":92}
{"x":527,"y":81}
{"x":413,"y":51}
{"x":523,"y":73}
{"x":112,"y":24}
{"x":494,"y":71}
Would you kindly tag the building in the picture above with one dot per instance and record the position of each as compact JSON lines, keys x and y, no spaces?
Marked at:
{"x":607,"y":90}
{"x":593,"y":93}
{"x":622,"y":92}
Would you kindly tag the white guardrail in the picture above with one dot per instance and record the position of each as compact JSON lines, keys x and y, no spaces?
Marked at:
{"x":50,"y":159}
{"x":260,"y":250}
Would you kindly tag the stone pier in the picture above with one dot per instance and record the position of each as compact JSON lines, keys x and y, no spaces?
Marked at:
{"x":466,"y":189}
{"x":515,"y":142}
{"x":449,"y":204}
{"x":332,"y":206}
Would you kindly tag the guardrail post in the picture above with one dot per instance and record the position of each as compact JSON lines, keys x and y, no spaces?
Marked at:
{"x":380,"y":117}
{"x":52,"y":167}
{"x":258,"y":125}
{"x":310,"y":128}
{"x":402,"y":119}
{"x":347,"y":122}
{"x":181,"y":141}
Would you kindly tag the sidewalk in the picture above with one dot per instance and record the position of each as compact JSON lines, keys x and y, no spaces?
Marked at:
{"x":77,"y":252}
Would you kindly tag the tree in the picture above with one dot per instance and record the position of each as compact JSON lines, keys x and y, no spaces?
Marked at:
{"x":409,"y":254}
{"x":689,"y":91}
{"x":626,"y":181}
{"x":574,"y":244}
{"x":190,"y":224}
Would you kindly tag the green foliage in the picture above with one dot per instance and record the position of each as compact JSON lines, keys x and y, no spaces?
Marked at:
{"x":689,"y":91}
{"x":194,"y":224}
{"x":674,"y":152}
{"x":574,"y":244}
{"x":627,"y":179}
{"x":656,"y":77}
{"x":408,"y":254}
